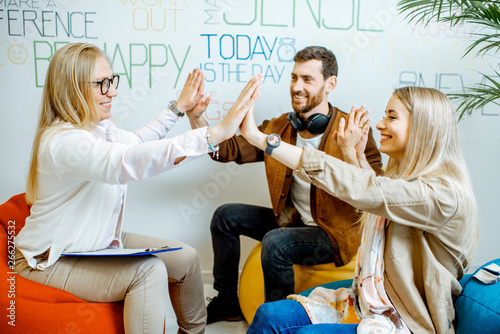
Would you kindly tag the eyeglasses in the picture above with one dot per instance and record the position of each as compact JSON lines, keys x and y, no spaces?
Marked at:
{"x":106,"y":83}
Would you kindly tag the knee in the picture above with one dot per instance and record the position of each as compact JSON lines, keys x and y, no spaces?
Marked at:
{"x":261,"y":322}
{"x":190,"y":256}
{"x":273,"y":244}
{"x":187,"y":265}
{"x":271,"y":317}
{"x":220,"y":215}
{"x":153,"y":270}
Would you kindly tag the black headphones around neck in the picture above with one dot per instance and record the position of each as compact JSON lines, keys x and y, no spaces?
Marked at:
{"x":315,"y":123}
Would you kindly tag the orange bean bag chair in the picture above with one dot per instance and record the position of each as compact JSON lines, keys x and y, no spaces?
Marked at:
{"x":30,"y":307}
{"x":251,"y":288}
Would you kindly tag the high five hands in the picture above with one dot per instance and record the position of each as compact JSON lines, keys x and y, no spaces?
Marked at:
{"x":245,"y":102}
{"x":192,"y":103}
{"x":192,"y":93}
{"x":353,"y":135}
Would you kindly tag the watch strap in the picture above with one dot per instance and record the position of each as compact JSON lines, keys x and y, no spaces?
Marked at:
{"x":269,"y":149}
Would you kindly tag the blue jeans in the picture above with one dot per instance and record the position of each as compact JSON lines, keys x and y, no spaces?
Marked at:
{"x":281,"y":248}
{"x":289,"y":317}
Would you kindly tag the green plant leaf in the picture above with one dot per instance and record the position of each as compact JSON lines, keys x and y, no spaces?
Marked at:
{"x":478,"y":96}
{"x":485,"y":17}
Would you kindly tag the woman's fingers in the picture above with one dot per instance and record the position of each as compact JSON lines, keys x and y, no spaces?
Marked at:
{"x":246,"y":99}
{"x":366,"y":127}
{"x":359,"y":115}
{"x":191,"y":78}
{"x":255,"y":95}
{"x":201,"y":87}
{"x":250,"y":88}
{"x":250,"y":93}
{"x":192,"y":92}
{"x":356,"y":119}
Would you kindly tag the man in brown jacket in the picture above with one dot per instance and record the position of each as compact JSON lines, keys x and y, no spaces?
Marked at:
{"x":305,"y":225}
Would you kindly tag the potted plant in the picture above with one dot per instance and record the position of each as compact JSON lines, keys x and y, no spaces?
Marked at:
{"x":486,"y":16}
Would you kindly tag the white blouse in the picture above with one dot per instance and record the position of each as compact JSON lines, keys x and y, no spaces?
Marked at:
{"x":81,"y":193}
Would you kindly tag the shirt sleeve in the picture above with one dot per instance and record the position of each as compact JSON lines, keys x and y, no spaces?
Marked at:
{"x":154,"y":130}
{"x":412,"y":203}
{"x":155,"y":157}
{"x":78,"y":154}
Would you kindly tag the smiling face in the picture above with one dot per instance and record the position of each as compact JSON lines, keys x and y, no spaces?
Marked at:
{"x":309,"y":89}
{"x":17,"y":54}
{"x":394,"y":129}
{"x":103,"y":102}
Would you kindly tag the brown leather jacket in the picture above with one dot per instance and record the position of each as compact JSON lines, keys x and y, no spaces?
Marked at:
{"x":337,"y":218}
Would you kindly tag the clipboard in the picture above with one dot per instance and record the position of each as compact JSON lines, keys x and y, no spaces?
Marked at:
{"x":124,"y":251}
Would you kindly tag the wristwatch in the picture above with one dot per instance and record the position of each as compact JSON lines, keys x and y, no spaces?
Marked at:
{"x":172,"y":105}
{"x":273,"y":140}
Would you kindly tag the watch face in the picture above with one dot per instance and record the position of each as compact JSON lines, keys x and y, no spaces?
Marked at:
{"x":273,"y":140}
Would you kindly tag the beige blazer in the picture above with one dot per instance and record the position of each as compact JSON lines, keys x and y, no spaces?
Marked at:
{"x":423,"y":239}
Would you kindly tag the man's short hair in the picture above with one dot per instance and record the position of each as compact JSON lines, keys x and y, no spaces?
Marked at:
{"x":322,"y":54}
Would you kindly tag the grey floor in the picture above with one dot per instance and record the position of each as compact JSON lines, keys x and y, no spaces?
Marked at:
{"x":222,"y":327}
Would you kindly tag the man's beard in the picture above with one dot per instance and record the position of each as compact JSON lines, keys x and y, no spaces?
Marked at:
{"x":313,"y":102}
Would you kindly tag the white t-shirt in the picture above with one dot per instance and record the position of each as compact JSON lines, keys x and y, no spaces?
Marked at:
{"x":300,"y":191}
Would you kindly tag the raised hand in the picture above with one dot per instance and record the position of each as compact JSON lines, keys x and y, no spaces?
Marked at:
{"x":199,"y":109}
{"x":248,"y":96}
{"x":361,"y":145}
{"x":192,"y":92}
{"x":352,"y":137}
{"x":248,"y":127}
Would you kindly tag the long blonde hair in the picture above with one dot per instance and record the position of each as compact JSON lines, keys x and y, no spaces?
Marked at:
{"x":67,"y":97}
{"x":433,"y":150}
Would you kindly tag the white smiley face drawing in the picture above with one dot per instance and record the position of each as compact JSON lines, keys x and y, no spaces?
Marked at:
{"x":17,"y":54}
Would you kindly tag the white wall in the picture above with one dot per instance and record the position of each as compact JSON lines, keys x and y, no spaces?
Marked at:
{"x":156,"y":43}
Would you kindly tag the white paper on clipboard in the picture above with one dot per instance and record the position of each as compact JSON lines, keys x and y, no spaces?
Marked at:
{"x":124,"y":251}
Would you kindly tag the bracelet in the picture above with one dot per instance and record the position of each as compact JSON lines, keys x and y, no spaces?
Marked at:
{"x":172,"y":105}
{"x":215,"y":148}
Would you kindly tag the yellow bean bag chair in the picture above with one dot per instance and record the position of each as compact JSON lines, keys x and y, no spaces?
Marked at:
{"x":251,"y":289}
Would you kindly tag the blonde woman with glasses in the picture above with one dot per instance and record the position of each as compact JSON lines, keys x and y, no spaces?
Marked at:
{"x":420,"y":227}
{"x":79,"y":169}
